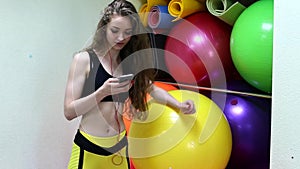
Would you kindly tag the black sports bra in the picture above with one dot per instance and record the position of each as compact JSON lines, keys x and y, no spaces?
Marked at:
{"x":97,"y":76}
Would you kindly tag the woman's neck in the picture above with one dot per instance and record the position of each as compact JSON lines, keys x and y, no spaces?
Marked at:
{"x":108,"y":54}
{"x":113,"y":54}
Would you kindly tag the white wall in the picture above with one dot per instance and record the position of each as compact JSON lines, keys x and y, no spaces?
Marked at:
{"x":286,"y":102}
{"x":38,"y":39}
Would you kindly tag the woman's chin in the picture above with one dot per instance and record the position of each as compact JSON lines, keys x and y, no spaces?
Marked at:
{"x":118,"y":46}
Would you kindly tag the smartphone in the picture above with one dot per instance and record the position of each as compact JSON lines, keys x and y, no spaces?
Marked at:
{"x":125,"y":77}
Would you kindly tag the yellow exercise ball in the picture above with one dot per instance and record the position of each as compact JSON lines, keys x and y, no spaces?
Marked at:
{"x":168,"y":139}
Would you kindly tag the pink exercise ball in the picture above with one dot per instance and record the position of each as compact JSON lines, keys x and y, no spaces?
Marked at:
{"x":197,"y":51}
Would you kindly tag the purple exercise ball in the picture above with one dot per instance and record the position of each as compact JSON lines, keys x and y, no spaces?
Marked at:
{"x":250,"y":122}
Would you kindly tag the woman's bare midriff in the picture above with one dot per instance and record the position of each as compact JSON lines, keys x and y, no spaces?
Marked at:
{"x":101,"y":120}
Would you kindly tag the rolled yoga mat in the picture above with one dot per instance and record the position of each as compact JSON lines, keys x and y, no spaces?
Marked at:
{"x":145,"y":9}
{"x":247,"y":3}
{"x":182,"y":8}
{"x":226,"y":10}
{"x":159,"y":19}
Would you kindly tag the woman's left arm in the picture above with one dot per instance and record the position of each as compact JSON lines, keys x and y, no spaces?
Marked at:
{"x":163,"y":97}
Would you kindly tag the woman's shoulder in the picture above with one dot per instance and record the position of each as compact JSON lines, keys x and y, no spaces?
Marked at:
{"x":82,"y":57}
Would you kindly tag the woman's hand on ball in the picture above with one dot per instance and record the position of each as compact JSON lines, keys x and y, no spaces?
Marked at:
{"x":187,"y":107}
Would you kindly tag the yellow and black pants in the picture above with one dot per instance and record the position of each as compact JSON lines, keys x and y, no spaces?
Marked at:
{"x":90,"y":152}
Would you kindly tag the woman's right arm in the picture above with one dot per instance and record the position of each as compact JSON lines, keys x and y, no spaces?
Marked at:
{"x":75,"y":106}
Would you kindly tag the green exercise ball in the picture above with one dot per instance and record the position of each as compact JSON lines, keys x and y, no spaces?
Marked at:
{"x":251,"y":44}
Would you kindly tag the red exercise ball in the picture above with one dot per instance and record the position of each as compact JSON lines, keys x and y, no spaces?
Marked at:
{"x":197,"y":51}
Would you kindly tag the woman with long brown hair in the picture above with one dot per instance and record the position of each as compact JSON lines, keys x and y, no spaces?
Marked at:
{"x":120,"y":46}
